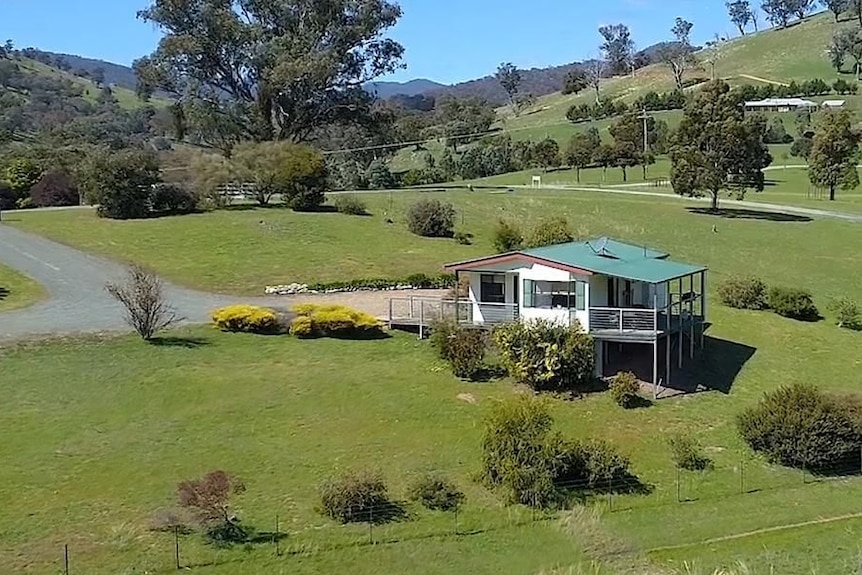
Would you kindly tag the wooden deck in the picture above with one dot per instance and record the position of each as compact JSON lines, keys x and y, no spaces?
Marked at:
{"x":677,"y":324}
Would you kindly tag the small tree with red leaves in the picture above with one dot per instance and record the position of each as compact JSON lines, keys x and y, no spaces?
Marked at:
{"x":208,"y":499}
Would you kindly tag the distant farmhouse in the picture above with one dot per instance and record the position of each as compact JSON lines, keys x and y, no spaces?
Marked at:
{"x":790,"y":105}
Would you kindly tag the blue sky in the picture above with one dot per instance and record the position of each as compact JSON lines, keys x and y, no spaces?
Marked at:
{"x":445,"y":40}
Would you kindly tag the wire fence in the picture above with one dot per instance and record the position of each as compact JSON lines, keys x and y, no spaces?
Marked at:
{"x":397,"y":522}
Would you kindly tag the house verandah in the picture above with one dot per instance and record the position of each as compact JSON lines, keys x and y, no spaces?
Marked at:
{"x":635,"y":302}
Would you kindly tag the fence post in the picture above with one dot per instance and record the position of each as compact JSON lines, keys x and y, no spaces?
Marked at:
{"x":177,"y":546}
{"x":371,"y":525}
{"x":610,"y":495}
{"x":742,"y":475}
{"x":456,"y":520}
{"x":678,"y":497}
{"x":66,"y":559}
{"x":277,"y":538}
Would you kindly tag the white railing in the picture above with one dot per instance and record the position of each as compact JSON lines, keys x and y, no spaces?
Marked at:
{"x":621,"y":319}
{"x":425,"y":311}
{"x":497,"y":313}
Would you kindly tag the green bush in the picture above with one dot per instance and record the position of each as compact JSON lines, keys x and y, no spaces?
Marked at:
{"x":686,"y":453}
{"x":507,"y":237}
{"x":464,"y":238}
{"x":624,"y":389}
{"x":171,"y":199}
{"x":431,"y":219}
{"x":545,"y":355}
{"x":743,"y":292}
{"x":593,"y":463}
{"x":533,"y":465}
{"x":847,"y":313}
{"x":520,"y":451}
{"x":549,"y":232}
{"x":793,"y":303}
{"x":245,"y":318}
{"x":466,"y":352}
{"x":120,"y":183}
{"x":435,"y":492}
{"x":442,"y":333}
{"x":441,"y":281}
{"x":351,"y":205}
{"x":355,"y":497}
{"x":801,"y":426}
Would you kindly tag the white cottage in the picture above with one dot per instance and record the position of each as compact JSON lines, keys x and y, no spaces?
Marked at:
{"x":630,"y":298}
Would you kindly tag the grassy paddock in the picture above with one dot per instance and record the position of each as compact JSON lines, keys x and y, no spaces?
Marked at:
{"x":241,"y":251}
{"x":17,"y":290}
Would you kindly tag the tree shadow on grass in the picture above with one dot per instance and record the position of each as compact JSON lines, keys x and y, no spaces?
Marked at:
{"x":177,"y":341}
{"x":744,"y":214}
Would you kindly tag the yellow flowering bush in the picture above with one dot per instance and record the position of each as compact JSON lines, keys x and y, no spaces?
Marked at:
{"x":333,"y":321}
{"x":245,"y":318}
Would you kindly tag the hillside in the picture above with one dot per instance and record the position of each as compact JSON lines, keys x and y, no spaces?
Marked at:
{"x":796,"y":53}
{"x":115,"y":75}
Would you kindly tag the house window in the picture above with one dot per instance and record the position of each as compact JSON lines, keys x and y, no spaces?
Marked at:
{"x":555,"y":295}
{"x":492,"y":289}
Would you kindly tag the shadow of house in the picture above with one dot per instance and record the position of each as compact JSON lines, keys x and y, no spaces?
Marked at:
{"x":715,"y":368}
{"x":743,"y":214}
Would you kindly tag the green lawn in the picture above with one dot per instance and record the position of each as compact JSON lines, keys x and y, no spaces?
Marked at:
{"x":241,"y":251}
{"x":17,"y":291}
{"x":284,"y":413}
{"x":128,"y":421}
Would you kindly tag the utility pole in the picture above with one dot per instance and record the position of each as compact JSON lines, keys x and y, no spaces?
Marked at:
{"x":645,"y":117}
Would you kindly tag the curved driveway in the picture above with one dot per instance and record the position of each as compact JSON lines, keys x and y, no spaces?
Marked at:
{"x":76,"y":282}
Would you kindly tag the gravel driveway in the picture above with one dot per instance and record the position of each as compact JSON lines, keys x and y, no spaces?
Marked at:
{"x":78,"y":302}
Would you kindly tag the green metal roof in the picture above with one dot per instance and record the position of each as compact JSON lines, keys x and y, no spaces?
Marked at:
{"x":611,"y":257}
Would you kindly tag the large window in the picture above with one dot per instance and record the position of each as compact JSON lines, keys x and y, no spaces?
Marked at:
{"x":555,"y":295}
{"x":492,"y":289}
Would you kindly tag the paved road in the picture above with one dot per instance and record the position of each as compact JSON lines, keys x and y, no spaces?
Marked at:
{"x":76,"y":284}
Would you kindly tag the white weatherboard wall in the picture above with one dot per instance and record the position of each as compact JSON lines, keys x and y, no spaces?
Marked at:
{"x":538,"y":272}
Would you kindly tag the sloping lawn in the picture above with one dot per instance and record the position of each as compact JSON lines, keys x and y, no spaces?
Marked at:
{"x":242,"y":251}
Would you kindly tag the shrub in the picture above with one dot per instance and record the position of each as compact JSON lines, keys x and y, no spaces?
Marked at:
{"x":334,"y":321}
{"x":170,"y":199}
{"x":546,"y":356}
{"x":507,"y":237}
{"x":743,"y":293}
{"x":591,"y":464}
{"x":302,"y":326}
{"x":208,"y":499}
{"x":550,"y":232}
{"x":351,"y":205}
{"x":441,"y":281}
{"x":466,"y":352}
{"x":380,"y":177}
{"x":801,"y":426}
{"x":442,"y":333}
{"x":519,"y":451}
{"x":431,"y":219}
{"x":8,"y":197}
{"x":56,"y":188}
{"x":435,"y":492}
{"x":245,"y":318}
{"x":793,"y":303}
{"x":686,"y":453}
{"x":847,"y":313}
{"x":624,"y":389}
{"x":121,"y":183}
{"x":354,"y":497}
{"x":142,"y":296}
{"x":532,"y":464}
{"x":464,"y":238}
